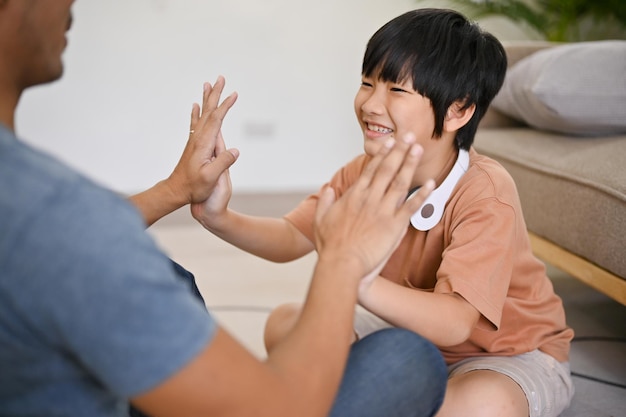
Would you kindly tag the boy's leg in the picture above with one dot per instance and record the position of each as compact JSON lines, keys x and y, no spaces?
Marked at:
{"x":280,"y":322}
{"x":483,"y":393}
{"x":392,"y":373}
{"x":284,"y":317}
{"x":531,"y":384}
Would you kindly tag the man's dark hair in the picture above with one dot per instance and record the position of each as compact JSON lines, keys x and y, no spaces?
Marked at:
{"x":447,"y":57}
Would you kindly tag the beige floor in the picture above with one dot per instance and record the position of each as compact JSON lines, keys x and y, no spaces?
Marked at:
{"x":240,"y":289}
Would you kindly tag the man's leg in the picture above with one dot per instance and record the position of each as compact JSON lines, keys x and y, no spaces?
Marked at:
{"x":190,"y":280}
{"x":392,"y":373}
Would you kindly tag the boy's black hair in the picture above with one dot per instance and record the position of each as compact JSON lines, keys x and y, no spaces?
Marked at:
{"x":447,"y":57}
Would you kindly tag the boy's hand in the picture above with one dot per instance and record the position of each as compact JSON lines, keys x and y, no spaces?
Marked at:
{"x":368,"y":222}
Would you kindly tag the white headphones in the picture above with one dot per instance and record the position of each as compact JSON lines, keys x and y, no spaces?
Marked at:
{"x":431,"y":211}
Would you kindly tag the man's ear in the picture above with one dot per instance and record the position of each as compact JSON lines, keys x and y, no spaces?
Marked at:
{"x":457,"y":116}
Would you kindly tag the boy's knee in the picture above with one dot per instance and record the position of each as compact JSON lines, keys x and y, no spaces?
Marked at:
{"x":280,"y":321}
{"x":284,"y":312}
{"x":484,"y":393}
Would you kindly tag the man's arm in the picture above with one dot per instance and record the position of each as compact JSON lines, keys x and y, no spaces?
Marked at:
{"x":355,"y":236}
{"x":201,"y":179}
{"x":204,"y":162}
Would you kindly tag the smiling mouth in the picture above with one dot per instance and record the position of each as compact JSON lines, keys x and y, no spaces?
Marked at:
{"x":379,"y":129}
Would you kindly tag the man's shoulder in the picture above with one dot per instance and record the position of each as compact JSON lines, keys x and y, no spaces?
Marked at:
{"x":45,"y":201}
{"x":27,"y":172}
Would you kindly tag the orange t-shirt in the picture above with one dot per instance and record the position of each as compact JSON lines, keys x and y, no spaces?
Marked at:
{"x":479,"y":250}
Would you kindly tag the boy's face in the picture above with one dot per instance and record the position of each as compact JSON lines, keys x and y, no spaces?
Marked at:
{"x":384,"y":109}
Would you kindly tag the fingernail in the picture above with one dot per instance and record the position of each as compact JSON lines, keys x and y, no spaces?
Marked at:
{"x":408,"y":138}
{"x":416,"y":149}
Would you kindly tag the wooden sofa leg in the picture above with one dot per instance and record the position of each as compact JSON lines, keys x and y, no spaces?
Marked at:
{"x":589,"y":273}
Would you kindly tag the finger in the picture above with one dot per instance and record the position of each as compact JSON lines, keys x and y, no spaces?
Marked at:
{"x":391,"y":165}
{"x":411,"y":205}
{"x":207,"y":88}
{"x":372,"y":166}
{"x":212,"y":97}
{"x":212,"y":124}
{"x":220,"y":145}
{"x":220,"y":112}
{"x":326,"y":199}
{"x":196,"y":109}
{"x":224,"y":160}
{"x":195,"y":115}
{"x":401,"y":183}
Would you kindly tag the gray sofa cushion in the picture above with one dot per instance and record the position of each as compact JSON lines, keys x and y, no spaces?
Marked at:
{"x":572,"y":189}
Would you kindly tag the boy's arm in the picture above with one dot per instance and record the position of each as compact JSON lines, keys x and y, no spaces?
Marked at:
{"x":274,"y":239}
{"x":473,"y":277}
{"x":354,"y":236}
{"x":444,"y":319}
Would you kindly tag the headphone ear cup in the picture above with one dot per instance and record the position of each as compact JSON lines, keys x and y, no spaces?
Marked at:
{"x":431,"y":211}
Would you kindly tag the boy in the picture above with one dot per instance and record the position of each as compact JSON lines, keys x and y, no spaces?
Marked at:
{"x":463,"y":276}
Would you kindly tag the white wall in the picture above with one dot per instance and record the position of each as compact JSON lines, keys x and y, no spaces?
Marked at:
{"x":120,"y":114}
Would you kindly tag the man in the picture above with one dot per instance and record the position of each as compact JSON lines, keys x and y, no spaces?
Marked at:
{"x":94,"y":317}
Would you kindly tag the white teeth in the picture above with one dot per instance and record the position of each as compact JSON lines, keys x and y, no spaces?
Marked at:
{"x":379,"y":129}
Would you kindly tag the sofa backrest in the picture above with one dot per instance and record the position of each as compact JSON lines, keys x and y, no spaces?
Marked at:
{"x":515,"y":51}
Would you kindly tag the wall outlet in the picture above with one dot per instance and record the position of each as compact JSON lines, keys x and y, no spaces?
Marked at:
{"x":259,"y":130}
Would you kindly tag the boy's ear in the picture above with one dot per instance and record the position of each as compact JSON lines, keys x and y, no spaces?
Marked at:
{"x":457,"y":116}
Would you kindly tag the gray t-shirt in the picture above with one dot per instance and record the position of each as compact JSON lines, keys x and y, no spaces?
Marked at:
{"x":91,"y":312}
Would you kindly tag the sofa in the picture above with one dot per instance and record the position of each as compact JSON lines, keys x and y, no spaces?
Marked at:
{"x":559,"y":127}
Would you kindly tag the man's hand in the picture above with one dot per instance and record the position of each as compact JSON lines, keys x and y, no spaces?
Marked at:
{"x":205,"y":157}
{"x":202,"y":167}
{"x":368,"y":222}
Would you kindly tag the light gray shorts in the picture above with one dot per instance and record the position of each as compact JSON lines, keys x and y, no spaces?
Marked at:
{"x":366,"y":323}
{"x":546,"y":382}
